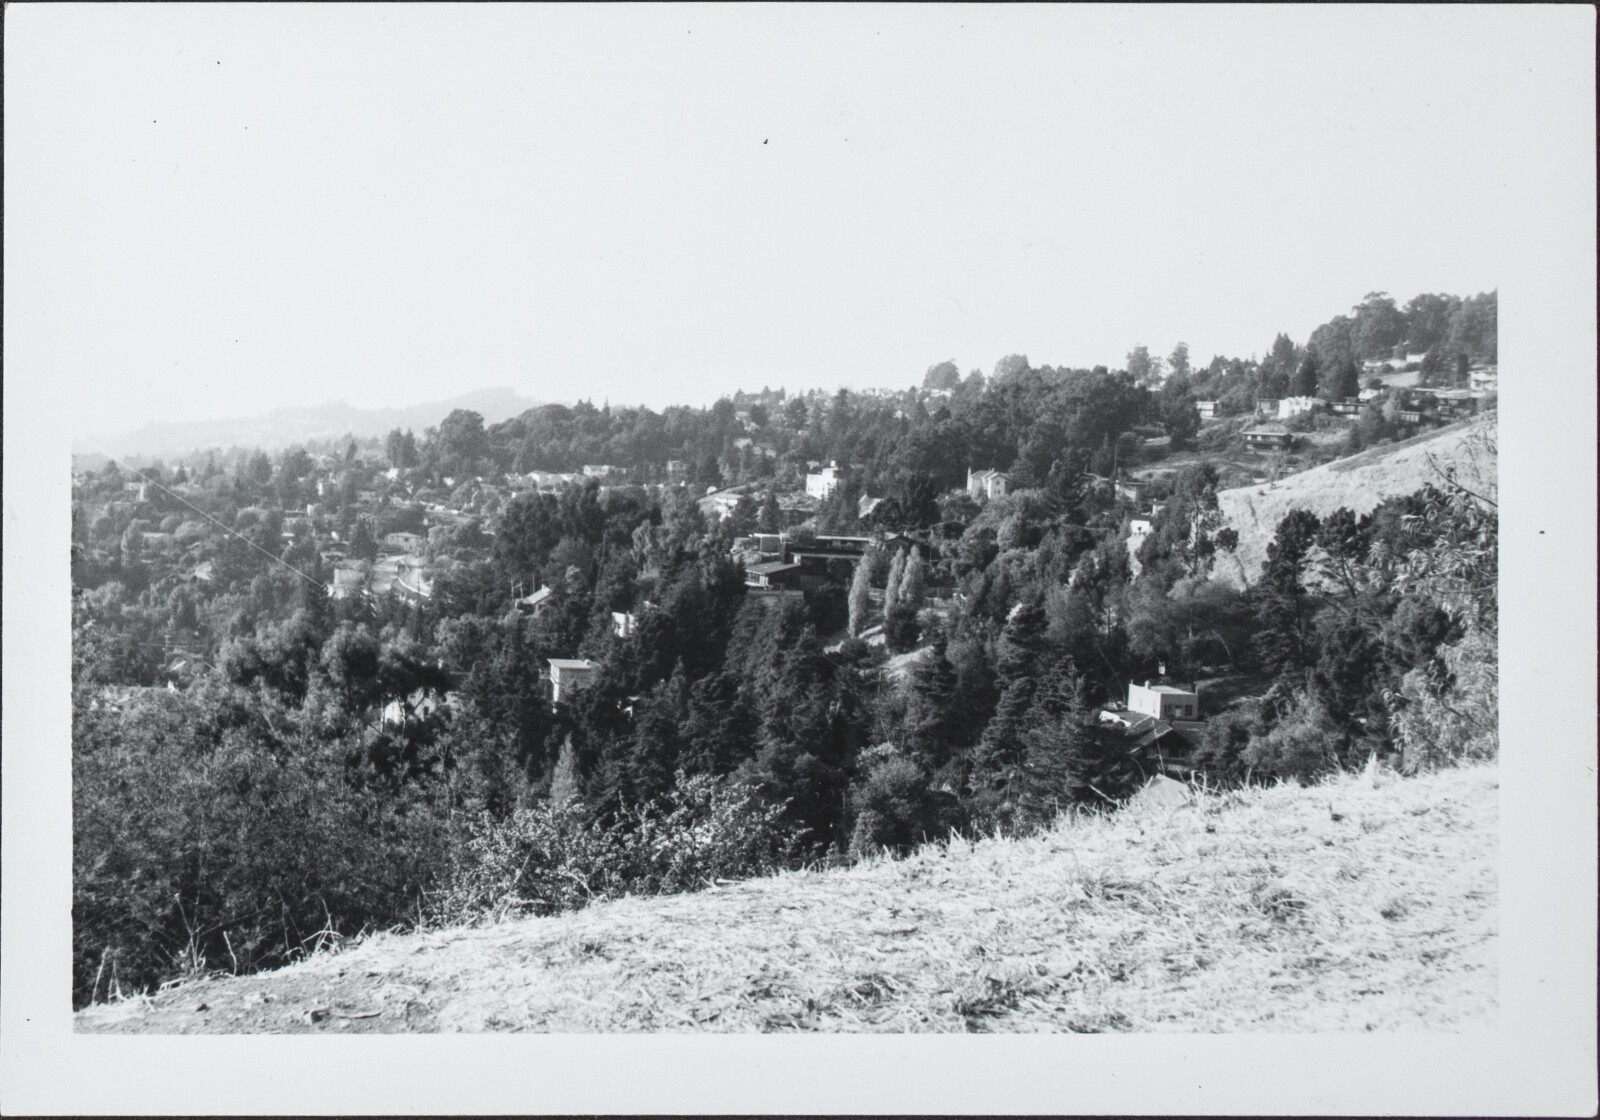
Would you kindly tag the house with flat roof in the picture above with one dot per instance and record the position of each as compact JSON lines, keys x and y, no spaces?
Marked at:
{"x":569,"y":676}
{"x":1163,"y":701}
{"x":1268,"y":437}
{"x":774,"y":576}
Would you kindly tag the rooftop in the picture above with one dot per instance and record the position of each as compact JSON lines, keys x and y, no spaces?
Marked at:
{"x":570,"y":663}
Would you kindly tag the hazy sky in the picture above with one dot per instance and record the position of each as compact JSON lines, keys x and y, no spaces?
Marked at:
{"x":212,"y":211}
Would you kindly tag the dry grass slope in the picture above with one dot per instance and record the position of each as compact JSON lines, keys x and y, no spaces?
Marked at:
{"x":1350,"y":906}
{"x":1358,"y":483}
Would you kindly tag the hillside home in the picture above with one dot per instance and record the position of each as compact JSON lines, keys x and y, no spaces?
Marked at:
{"x":1206,"y":409}
{"x":536,"y":601}
{"x":721,"y":504}
{"x":1369,"y":395}
{"x":1163,"y":701}
{"x":677,"y":470}
{"x":773,"y":576}
{"x":1484,"y":380}
{"x":1294,"y":406}
{"x":1141,"y":524}
{"x":826,"y":480}
{"x":983,"y":485}
{"x":1408,"y":416}
{"x":569,"y":677}
{"x":1266,"y":406}
{"x":1266,"y":437}
{"x":1350,"y":406}
{"x":604,"y":470}
{"x":623,"y":623}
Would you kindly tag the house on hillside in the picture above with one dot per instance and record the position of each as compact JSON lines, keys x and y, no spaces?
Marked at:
{"x":777,"y":575}
{"x":536,"y":601}
{"x":677,"y":470}
{"x":983,"y":485}
{"x":624,"y":623}
{"x":1290,"y":407}
{"x":1163,"y":701}
{"x":1267,"y":406}
{"x":721,"y":503}
{"x":826,"y":480}
{"x":1268,"y":437}
{"x":1350,"y":406}
{"x":1206,"y":409}
{"x":569,"y":676}
{"x":1141,"y":524}
{"x":605,"y":471}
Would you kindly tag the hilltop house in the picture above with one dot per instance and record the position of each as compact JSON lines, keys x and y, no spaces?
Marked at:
{"x":568,"y":677}
{"x":1206,"y":409}
{"x":983,"y":485}
{"x":623,"y":623}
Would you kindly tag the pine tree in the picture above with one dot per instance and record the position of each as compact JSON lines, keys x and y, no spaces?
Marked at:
{"x":891,"y":587}
{"x":861,"y":597}
{"x":913,"y":579}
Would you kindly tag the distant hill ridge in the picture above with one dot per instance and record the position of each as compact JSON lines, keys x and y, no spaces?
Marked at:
{"x":285,"y":427}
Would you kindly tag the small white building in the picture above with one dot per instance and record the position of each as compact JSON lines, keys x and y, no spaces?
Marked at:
{"x":1163,"y":701}
{"x":623,"y":623}
{"x":983,"y":485}
{"x":1294,"y":406}
{"x":1206,"y":409}
{"x":825,"y":481}
{"x":568,"y":677}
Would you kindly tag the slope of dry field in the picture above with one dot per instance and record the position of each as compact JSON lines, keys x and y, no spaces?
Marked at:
{"x":1358,"y":483}
{"x":1357,"y":905}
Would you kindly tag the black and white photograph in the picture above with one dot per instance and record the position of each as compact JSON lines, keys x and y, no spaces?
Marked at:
{"x":646,"y":535}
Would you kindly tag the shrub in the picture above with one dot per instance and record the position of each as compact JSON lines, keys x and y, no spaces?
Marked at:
{"x":560,"y":856}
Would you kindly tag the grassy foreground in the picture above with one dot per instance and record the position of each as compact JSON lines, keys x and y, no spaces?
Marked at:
{"x":1359,"y":905}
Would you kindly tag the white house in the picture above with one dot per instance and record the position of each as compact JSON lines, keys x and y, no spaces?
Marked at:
{"x":983,"y":485}
{"x":1206,"y":409}
{"x":1294,"y":406}
{"x":1163,"y":701}
{"x":824,"y":481}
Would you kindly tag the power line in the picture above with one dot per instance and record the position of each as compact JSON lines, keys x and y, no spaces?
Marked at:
{"x":227,"y":529}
